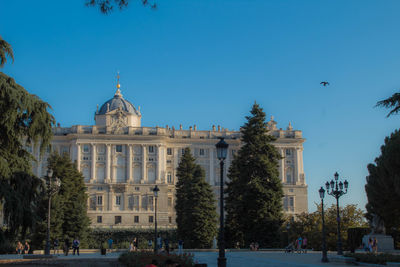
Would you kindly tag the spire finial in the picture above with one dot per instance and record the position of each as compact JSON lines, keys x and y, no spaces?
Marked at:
{"x":118,"y":85}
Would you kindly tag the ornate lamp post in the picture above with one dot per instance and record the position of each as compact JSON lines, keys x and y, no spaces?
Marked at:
{"x":336,"y":190}
{"x":324,"y":254}
{"x":222,"y":150}
{"x":155,"y":191}
{"x":52,"y":187}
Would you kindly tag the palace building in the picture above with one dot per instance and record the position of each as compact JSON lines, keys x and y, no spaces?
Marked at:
{"x":122,"y":162}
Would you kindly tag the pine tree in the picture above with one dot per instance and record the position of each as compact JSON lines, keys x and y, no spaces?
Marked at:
{"x":196,"y":215}
{"x":254,"y":192}
{"x":383,"y":183}
{"x":68,"y":207}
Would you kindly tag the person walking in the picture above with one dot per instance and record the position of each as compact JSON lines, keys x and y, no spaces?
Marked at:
{"x":110,"y":242}
{"x":305,"y":244}
{"x":159,"y":242}
{"x":135,"y":244}
{"x":26,"y":247}
{"x":375,"y":246}
{"x":131,"y":247}
{"x":75,"y":246}
{"x":55,"y":246}
{"x":150,"y":244}
{"x":180,"y":246}
{"x":299,"y":244}
{"x":166,"y":242}
{"x":67,"y":244}
{"x":19,"y":248}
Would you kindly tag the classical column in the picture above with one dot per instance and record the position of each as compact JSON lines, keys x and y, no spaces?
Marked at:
{"x":158,"y":165}
{"x":144,"y":164}
{"x":296,"y":165}
{"x":93,"y":168}
{"x":110,"y":198}
{"x":211,"y":178}
{"x":282,"y":165}
{"x":108,"y":163}
{"x":129,"y":165}
{"x":125,"y":201}
{"x":78,"y":156}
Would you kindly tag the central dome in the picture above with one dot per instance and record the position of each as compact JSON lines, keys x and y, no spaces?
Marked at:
{"x":117,"y":102}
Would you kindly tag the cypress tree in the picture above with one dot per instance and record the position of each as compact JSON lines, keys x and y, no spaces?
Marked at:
{"x":195,"y":206}
{"x":68,"y":207}
{"x":254,"y":192}
{"x":383,"y":183}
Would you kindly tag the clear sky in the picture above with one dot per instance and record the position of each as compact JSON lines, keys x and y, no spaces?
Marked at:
{"x":205,"y":62}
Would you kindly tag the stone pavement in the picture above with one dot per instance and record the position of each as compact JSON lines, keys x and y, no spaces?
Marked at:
{"x":234,"y":259}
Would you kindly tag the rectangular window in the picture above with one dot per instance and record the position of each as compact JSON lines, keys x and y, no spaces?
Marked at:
{"x":169,"y":161}
{"x":169,"y":219}
{"x":151,"y":149}
{"x":118,"y":148}
{"x":169,"y":151}
{"x":99,"y":219}
{"x":169,"y":178}
{"x":201,"y":152}
{"x":150,"y":203}
{"x":117,"y":200}
{"x":291,"y":202}
{"x":288,"y":178}
{"x":137,"y":188}
{"x":288,"y":152}
{"x":183,"y":151}
{"x":85,"y":158}
{"x":150,"y":219}
{"x":100,"y":200}
{"x":170,"y":202}
{"x":86,"y":148}
{"x":136,"y":219}
{"x":118,"y":219}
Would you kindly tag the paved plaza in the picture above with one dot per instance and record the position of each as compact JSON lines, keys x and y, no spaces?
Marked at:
{"x":234,"y":259}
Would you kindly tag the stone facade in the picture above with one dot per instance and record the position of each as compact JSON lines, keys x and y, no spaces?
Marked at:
{"x":123,"y":161}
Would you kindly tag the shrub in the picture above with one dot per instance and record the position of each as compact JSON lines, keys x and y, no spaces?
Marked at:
{"x":381,"y":258}
{"x":139,"y":259}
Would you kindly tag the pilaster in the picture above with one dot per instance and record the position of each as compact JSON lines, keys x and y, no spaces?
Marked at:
{"x":144,"y":164}
{"x":108,"y":163}
{"x":129,"y":165}
{"x":93,"y":168}
{"x":78,"y":156}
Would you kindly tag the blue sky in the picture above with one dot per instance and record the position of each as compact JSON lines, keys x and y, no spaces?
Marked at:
{"x":205,"y":62}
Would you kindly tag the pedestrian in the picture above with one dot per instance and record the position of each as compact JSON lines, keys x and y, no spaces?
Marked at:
{"x":370,"y":245}
{"x":299,"y":243}
{"x":150,"y":244}
{"x":75,"y":246}
{"x":375,"y":245}
{"x":166,"y":242}
{"x":67,"y":244}
{"x":159,"y":242}
{"x":305,"y":244}
{"x":180,"y":246}
{"x":135,"y":244}
{"x":131,"y":247}
{"x":19,"y":248}
{"x":26,"y":247}
{"x":55,"y":246}
{"x":110,"y":242}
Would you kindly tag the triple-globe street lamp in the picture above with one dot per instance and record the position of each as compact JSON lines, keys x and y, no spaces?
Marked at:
{"x":155,"y":191}
{"x":53,"y":184}
{"x":222,"y":150}
{"x":335,"y":189}
{"x":324,"y":253}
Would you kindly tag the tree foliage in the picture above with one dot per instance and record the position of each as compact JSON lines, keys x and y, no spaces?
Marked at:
{"x":68,"y":207}
{"x":5,"y":51}
{"x":195,"y":206}
{"x":391,"y":102}
{"x":310,"y":225}
{"x":383,"y":183}
{"x":108,"y":6}
{"x":24,"y":119}
{"x":254,"y":193}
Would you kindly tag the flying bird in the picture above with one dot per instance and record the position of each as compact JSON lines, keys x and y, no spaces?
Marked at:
{"x":324,"y":83}
{"x":154,"y":6}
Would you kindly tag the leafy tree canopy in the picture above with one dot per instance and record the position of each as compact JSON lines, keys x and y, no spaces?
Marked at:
{"x":5,"y":51}
{"x":391,"y":102}
{"x":108,"y":6}
{"x":254,"y":192}
{"x":383,"y":183}
{"x":195,"y":207}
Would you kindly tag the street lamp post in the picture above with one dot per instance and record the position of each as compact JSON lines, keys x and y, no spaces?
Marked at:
{"x":336,"y":190}
{"x":324,"y":253}
{"x":155,"y":191}
{"x":52,"y":187}
{"x":222,"y":149}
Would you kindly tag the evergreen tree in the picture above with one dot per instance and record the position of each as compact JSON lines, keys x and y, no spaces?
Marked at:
{"x":68,"y":207}
{"x":254,"y":192}
{"x":391,"y":102}
{"x":24,"y":120}
{"x":196,"y":215}
{"x":5,"y":51}
{"x":383,"y":183}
